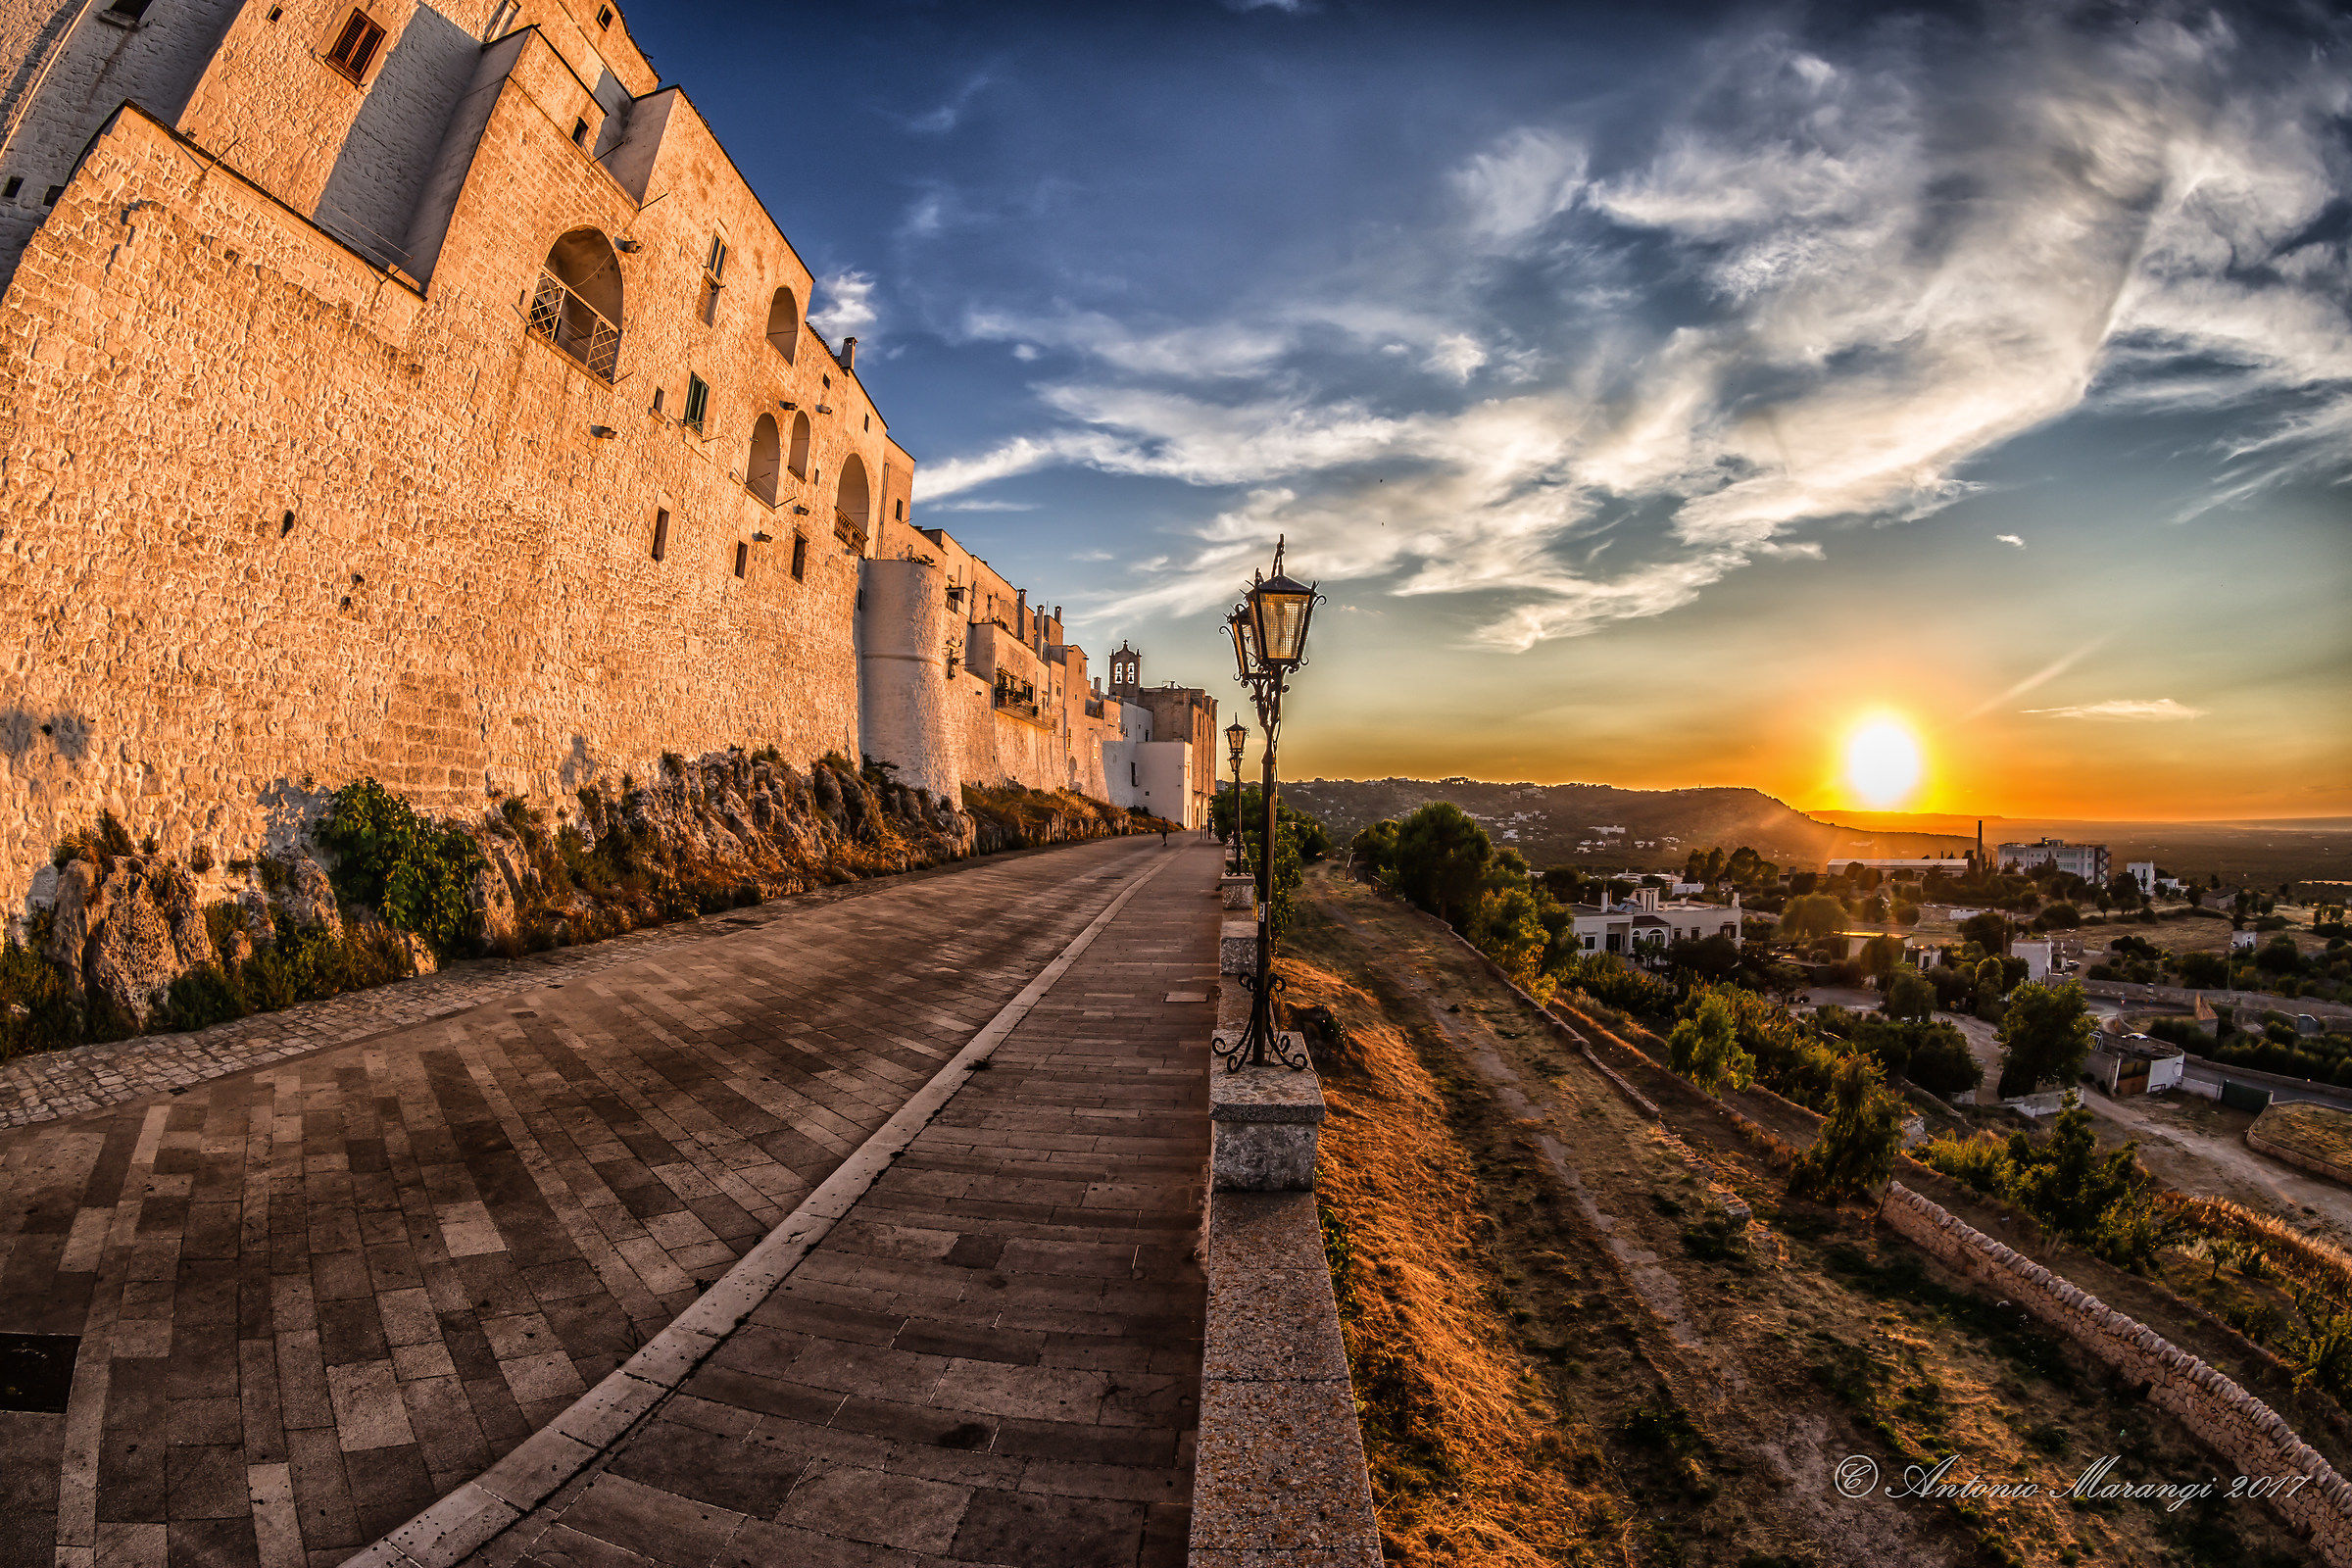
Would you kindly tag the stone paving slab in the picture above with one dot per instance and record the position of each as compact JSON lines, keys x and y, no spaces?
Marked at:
{"x":995,"y":1357}
{"x":318,"y":1295}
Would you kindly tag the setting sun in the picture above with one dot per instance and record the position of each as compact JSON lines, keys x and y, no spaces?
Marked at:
{"x":1881,"y":763}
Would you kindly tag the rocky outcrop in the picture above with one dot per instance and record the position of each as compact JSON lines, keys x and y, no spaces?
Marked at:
{"x":724,"y":829}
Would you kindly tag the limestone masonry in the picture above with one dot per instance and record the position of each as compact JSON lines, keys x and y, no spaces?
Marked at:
{"x":416,"y":391}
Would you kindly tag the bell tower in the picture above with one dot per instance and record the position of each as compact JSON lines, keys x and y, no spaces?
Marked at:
{"x":1126,"y":670}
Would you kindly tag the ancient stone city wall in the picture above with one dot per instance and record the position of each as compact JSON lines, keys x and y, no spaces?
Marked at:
{"x":2235,"y":1425}
{"x":275,"y":520}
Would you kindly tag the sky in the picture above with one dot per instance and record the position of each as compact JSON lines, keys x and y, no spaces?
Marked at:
{"x":1660,"y":395}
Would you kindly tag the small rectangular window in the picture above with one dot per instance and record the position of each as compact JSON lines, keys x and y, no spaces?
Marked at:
{"x":277,"y":13}
{"x":7,"y":193}
{"x":579,"y":133}
{"x":604,"y":16}
{"x":743,"y":557}
{"x":356,"y":46}
{"x":799,"y":558}
{"x":54,"y":192}
{"x":658,"y":399}
{"x":130,"y":9}
{"x":660,"y":533}
{"x":717,"y":266}
{"x":697,"y":403}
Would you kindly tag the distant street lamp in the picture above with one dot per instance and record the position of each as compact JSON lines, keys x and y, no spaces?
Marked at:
{"x":1235,"y":733}
{"x":1269,"y":642}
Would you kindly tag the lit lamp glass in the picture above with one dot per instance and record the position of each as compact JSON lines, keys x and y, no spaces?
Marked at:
{"x":1245,"y":647}
{"x":1234,"y":735}
{"x":1279,"y":609}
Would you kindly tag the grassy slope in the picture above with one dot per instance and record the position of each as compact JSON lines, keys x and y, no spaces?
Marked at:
{"x":1570,"y":1352}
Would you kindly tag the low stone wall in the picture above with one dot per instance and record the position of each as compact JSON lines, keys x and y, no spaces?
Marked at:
{"x":1278,"y":1474}
{"x":2300,"y":1158}
{"x":2235,"y":1425}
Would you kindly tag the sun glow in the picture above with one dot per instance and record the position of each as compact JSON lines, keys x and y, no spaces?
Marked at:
{"x":1881,"y":763}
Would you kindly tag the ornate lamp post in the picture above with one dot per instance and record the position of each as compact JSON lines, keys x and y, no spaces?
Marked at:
{"x":1235,"y":734}
{"x":1269,"y":643}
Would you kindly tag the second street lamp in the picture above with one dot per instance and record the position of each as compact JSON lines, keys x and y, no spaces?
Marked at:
{"x":1237,"y":733}
{"x":1269,"y":642}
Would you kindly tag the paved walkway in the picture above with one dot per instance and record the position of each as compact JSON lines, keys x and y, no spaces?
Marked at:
{"x":316,"y":1297}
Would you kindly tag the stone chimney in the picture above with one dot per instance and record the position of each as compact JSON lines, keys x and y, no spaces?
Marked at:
{"x":849,"y":353}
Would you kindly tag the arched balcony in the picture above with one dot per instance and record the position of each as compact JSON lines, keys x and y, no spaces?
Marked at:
{"x":576,"y":304}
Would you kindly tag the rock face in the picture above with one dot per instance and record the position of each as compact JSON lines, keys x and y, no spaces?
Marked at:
{"x":724,"y":829}
{"x":310,"y":897}
{"x":132,"y":958}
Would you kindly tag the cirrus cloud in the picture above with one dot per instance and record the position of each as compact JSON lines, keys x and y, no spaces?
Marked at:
{"x":2157,"y":709}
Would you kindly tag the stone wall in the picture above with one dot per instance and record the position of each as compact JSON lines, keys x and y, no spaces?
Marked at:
{"x":275,"y":520}
{"x":2241,"y":1429}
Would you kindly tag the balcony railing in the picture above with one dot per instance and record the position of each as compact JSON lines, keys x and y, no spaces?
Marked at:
{"x":574,"y":326}
{"x":850,"y":531}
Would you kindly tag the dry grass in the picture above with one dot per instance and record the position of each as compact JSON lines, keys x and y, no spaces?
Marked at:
{"x":1565,"y":1354}
{"x":1451,"y":1419}
{"x":2320,"y":1131}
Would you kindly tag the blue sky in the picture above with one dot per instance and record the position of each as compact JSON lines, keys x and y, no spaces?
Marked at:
{"x":1658,"y":392}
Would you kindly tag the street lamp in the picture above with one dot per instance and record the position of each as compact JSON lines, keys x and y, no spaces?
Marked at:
{"x":1235,"y":733}
{"x":1268,"y":629}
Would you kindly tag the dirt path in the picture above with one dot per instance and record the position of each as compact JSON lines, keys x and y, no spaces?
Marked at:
{"x":2200,"y":1147}
{"x":1711,"y":1368}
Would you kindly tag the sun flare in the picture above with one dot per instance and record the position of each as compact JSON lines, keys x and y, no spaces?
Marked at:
{"x":1881,"y":763}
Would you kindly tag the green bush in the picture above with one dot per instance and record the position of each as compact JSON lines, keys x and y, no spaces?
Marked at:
{"x":414,"y":872}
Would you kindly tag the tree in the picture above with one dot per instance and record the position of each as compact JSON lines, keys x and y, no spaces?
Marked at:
{"x":1374,"y":849}
{"x":2067,"y":1183}
{"x":1442,"y":856}
{"x":1856,"y":1147}
{"x":2207,"y":971}
{"x":2279,"y":956}
{"x":1715,"y":957}
{"x":1907,"y":996}
{"x":1814,"y":915}
{"x":1942,"y":1062}
{"x":2044,"y":1037}
{"x":1508,"y":928}
{"x":1989,"y":931}
{"x":1880,"y":956}
{"x":1704,"y":1047}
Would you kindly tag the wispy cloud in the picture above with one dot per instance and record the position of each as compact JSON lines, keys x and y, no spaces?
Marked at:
{"x":971,"y":504}
{"x":1886,"y":260}
{"x":945,"y":117}
{"x":2138,"y":710}
{"x":2040,"y":677}
{"x":848,"y":304}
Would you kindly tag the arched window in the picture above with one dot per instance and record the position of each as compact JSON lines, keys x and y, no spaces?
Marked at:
{"x":784,"y":325}
{"x":850,"y":503}
{"x":797,"y":461}
{"x":576,"y":304}
{"x":760,"y":473}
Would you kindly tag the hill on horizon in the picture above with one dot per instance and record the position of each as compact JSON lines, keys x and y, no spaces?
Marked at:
{"x":1603,"y":827}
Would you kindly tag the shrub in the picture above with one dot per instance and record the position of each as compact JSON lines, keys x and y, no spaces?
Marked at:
{"x":1704,"y":1049}
{"x":1856,"y":1147}
{"x":412,"y":871}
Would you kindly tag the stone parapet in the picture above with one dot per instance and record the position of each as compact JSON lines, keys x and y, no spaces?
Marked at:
{"x":1236,"y":948}
{"x":1279,"y":1476}
{"x":1262,"y":1124}
{"x":1238,"y":891}
{"x":2235,"y":1425}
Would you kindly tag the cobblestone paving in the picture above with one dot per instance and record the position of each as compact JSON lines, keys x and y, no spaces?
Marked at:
{"x":315,"y":1295}
{"x":994,"y":1358}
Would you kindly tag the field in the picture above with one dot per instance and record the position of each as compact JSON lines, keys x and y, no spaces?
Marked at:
{"x":2320,"y":1131}
{"x":1579,"y":1336}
